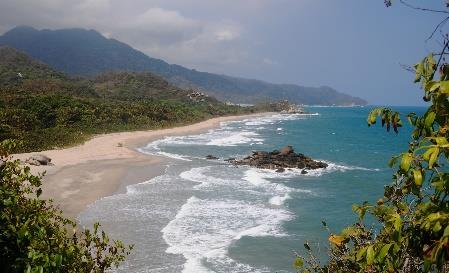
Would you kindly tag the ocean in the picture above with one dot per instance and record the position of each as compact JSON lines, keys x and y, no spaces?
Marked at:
{"x":208,"y":216}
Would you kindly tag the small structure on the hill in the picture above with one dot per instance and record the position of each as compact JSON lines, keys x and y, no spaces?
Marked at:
{"x":197,"y":96}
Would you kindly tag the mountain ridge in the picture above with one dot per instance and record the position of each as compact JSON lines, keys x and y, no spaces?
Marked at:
{"x":46,"y":109}
{"x":87,"y":53}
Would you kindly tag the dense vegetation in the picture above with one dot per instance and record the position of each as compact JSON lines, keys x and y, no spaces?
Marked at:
{"x":35,"y":237}
{"x":407,"y":230}
{"x":88,"y":53}
{"x":46,"y":109}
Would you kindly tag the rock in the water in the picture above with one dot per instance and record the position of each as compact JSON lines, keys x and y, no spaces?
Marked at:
{"x":304,"y":172}
{"x":38,"y":160}
{"x":279,"y":160}
{"x":286,"y":150}
{"x":211,"y":157}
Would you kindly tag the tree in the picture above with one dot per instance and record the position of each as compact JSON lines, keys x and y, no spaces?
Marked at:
{"x":410,"y":232}
{"x":35,"y":236}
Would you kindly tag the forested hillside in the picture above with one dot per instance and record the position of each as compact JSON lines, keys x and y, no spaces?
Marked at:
{"x":88,"y":53}
{"x":47,"y":109}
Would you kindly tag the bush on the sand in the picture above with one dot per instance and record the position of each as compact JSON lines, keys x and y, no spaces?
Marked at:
{"x":36,"y":237}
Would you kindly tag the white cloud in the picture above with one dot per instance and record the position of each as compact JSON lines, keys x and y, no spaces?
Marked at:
{"x":159,"y":27}
{"x":269,"y":61}
{"x":93,"y":5}
{"x":227,"y":34}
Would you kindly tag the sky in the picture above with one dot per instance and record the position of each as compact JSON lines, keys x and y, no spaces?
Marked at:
{"x":355,"y":46}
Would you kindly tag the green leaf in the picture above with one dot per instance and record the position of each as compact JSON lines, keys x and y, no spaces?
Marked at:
{"x":417,"y":176}
{"x":432,"y":86}
{"x":406,"y":161}
{"x":337,"y":240}
{"x":430,"y":118}
{"x":437,"y":227}
{"x":370,"y":254}
{"x":372,"y":116}
{"x":298,"y":263}
{"x":441,"y":141}
{"x":433,"y":157}
{"x":383,"y":252}
{"x":419,"y":68}
{"x":444,"y":87}
{"x":426,"y":155}
{"x":397,"y":223}
{"x":361,"y":253}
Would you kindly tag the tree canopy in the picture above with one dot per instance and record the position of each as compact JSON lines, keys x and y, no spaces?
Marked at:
{"x":36,"y":237}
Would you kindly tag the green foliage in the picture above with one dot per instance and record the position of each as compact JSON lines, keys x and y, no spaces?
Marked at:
{"x":411,"y":228}
{"x":388,"y":117}
{"x":35,"y":237}
{"x":45,"y":109}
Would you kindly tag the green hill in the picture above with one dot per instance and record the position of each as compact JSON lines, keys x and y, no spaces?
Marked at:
{"x":88,"y":53}
{"x":46,"y":109}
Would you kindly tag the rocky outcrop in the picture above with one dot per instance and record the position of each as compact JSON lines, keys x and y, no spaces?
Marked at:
{"x":293,"y":109}
{"x":38,"y":160}
{"x":279,"y":160}
{"x":211,"y":157}
{"x":197,"y":96}
{"x":285,"y":107}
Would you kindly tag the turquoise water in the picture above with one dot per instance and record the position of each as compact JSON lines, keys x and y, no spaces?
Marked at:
{"x":207,"y":216}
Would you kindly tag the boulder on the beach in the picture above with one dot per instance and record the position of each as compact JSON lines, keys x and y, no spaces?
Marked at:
{"x":304,"y":172}
{"x":280,"y":160}
{"x":280,"y":170}
{"x":38,"y":160}
{"x":211,"y":157}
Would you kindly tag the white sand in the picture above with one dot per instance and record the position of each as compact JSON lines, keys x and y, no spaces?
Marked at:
{"x":83,"y":174}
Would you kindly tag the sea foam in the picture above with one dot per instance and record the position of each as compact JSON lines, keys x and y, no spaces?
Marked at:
{"x":203,"y":229}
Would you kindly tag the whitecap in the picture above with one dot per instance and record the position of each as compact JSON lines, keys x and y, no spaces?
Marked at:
{"x":235,"y":138}
{"x":279,"y":200}
{"x":256,"y":175}
{"x":203,"y":230}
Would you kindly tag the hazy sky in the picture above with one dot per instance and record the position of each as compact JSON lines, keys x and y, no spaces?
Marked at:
{"x":355,"y":46}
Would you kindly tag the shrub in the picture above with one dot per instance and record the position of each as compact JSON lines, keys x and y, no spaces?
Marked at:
{"x":36,"y":237}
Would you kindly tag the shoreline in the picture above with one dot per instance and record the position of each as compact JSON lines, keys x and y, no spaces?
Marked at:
{"x":106,"y":164}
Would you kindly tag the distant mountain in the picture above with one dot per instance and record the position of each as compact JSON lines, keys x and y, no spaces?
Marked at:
{"x":21,"y":73}
{"x":88,"y":53}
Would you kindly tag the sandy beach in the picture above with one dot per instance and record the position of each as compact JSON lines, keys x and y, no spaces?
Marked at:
{"x":105,"y":164}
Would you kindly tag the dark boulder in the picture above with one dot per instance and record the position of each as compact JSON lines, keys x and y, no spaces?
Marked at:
{"x":38,"y":160}
{"x":211,"y":157}
{"x":279,"y":160}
